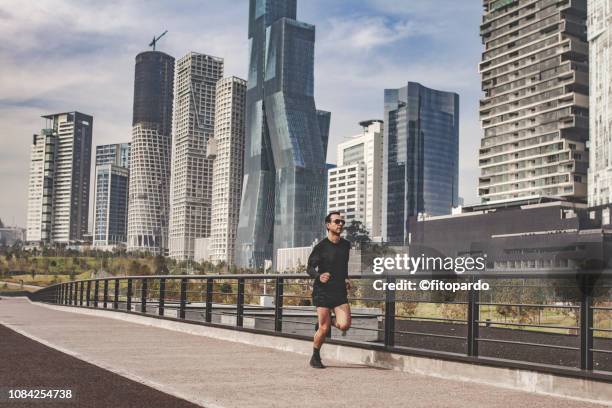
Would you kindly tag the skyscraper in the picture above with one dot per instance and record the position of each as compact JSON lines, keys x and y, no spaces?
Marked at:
{"x":58,"y":192}
{"x":535,"y":109}
{"x":284,"y":196}
{"x":196,"y":76}
{"x":228,"y":153}
{"x":148,"y":208}
{"x":111,"y":195}
{"x":355,"y":185}
{"x":421,"y":163}
{"x":600,"y":117}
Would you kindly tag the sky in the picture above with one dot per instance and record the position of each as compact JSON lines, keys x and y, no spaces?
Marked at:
{"x":66,"y":55}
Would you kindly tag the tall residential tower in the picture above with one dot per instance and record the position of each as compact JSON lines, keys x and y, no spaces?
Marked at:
{"x":195,"y":81}
{"x":111,"y":195}
{"x":284,"y":196}
{"x":600,"y":117}
{"x":148,"y":208}
{"x":535,"y":110}
{"x":227,"y":148}
{"x":421,"y":156}
{"x":58,"y":192}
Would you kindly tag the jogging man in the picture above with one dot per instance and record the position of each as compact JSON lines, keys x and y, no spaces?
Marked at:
{"x":328,"y":265}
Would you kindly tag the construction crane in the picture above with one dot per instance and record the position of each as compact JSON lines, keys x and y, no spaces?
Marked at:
{"x":155,"y":40}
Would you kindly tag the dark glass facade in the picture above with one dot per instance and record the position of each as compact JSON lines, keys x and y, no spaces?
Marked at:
{"x":153,"y":90}
{"x":283,"y":201}
{"x":421,"y":156}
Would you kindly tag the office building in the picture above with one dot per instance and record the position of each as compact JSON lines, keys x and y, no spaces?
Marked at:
{"x":195,"y":80}
{"x":148,"y":207}
{"x":600,"y":117}
{"x":535,"y":108}
{"x":58,"y":191}
{"x":421,"y":156}
{"x":355,"y":185}
{"x":111,"y":195}
{"x":227,"y":150}
{"x":286,"y":138}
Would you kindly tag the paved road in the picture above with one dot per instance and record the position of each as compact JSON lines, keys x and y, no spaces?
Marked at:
{"x":27,"y":364}
{"x":218,"y":373}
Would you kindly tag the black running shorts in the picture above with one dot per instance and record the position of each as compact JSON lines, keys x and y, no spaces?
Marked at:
{"x":328,"y":299}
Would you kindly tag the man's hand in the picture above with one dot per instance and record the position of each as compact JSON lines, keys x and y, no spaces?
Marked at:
{"x":349,"y":285}
{"x":324,"y":277}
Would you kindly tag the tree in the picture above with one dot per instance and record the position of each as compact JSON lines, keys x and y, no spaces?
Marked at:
{"x":357,"y":234}
{"x":159,"y":265}
{"x":133,"y":268}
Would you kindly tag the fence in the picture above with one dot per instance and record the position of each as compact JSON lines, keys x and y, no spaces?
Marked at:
{"x":548,"y":323}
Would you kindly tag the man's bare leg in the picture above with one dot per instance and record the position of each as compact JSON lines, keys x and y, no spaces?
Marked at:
{"x":324,"y":321}
{"x":343,"y":317}
{"x":324,"y":317}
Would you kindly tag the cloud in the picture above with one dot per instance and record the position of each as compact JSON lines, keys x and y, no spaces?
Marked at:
{"x":63,"y":55}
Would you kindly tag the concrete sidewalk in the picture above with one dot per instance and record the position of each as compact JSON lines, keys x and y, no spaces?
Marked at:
{"x":217,"y":373}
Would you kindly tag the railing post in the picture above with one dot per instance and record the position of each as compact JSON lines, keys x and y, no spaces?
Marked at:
{"x":128,"y":305}
{"x":70,"y":288}
{"x":183,"y":298}
{"x":143,"y":296}
{"x":88,"y":294}
{"x":390,"y":315}
{"x":75,"y":297}
{"x":162,"y":296}
{"x":96,"y":290}
{"x":81,"y":287}
{"x":473,"y":315}
{"x":586,"y":323}
{"x":209,"y":293}
{"x":116,"y":297}
{"x":105,"y":293}
{"x":240,"y":303}
{"x":278,"y":305}
{"x":62,"y":293}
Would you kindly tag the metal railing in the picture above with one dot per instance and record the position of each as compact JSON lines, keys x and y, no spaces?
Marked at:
{"x":557,"y":325}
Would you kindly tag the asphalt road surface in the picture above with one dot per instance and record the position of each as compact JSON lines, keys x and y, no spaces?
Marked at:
{"x":27,"y":364}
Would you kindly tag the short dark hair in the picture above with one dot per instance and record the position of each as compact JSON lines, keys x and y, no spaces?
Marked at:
{"x":328,"y":218}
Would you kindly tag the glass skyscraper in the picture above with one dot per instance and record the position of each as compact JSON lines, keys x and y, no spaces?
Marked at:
{"x":111,"y":194}
{"x":421,"y":156}
{"x":284,"y":194}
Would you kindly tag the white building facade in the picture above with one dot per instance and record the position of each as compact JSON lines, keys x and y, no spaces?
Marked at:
{"x":355,"y":185}
{"x":58,"y":190}
{"x":195,"y":81}
{"x":600,"y":117}
{"x":227,"y":150}
{"x":535,"y":109}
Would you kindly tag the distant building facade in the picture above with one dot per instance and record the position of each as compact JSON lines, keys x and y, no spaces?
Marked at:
{"x":149,"y":186}
{"x":421,"y":156}
{"x":111,"y":195}
{"x":227,"y":150}
{"x":58,"y":190}
{"x":599,"y":24}
{"x":284,"y":195}
{"x":195,"y":81}
{"x":535,"y":112}
{"x":355,"y":185}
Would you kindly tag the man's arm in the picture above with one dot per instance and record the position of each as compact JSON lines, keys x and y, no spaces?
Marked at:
{"x":313,"y":263}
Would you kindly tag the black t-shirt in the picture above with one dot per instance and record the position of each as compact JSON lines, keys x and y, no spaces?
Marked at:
{"x":333,"y":258}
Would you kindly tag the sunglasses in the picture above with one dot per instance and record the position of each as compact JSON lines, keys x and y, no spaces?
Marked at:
{"x":339,"y":222}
